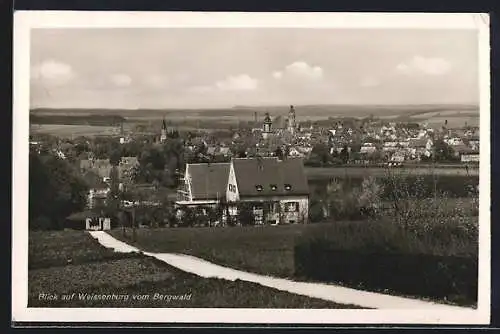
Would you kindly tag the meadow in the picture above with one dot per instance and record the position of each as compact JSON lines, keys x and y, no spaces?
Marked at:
{"x":445,"y":252}
{"x":63,"y":263}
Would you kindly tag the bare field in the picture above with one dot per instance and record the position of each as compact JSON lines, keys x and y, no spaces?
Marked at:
{"x":63,"y":130}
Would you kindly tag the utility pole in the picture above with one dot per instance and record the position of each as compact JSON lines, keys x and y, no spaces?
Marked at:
{"x":134,"y":234}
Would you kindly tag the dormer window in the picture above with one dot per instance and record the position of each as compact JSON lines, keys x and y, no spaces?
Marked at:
{"x":288,"y":187}
{"x":274,"y":187}
{"x":259,"y":187}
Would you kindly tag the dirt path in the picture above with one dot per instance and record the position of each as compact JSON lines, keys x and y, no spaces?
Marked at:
{"x":329,"y":292}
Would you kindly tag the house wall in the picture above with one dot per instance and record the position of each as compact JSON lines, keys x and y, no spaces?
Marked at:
{"x":232,"y":193}
{"x":301,"y":215}
{"x":187,"y":180}
{"x":470,"y":158}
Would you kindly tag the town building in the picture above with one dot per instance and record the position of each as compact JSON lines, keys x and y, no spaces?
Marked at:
{"x":276,"y":189}
{"x":267,"y":127}
{"x":102,"y":167}
{"x":98,"y":190}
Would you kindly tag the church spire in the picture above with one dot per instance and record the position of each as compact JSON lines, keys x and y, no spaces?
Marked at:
{"x":163,"y":136}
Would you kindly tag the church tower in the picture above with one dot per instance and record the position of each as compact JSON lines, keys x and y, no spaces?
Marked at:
{"x":266,"y":131}
{"x":163,"y":136}
{"x":291,"y":120}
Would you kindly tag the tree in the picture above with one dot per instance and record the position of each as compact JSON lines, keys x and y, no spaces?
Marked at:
{"x":344,"y":154}
{"x":279,"y":153}
{"x":115,"y":157}
{"x":442,"y":151}
{"x":320,"y":155}
{"x":55,"y":191}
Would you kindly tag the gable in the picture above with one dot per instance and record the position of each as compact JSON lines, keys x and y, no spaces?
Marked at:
{"x":232,"y":193}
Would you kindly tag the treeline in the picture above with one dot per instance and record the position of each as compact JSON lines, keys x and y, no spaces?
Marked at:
{"x":95,"y":120}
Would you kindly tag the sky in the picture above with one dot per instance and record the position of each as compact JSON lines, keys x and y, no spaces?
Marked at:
{"x":223,"y":67}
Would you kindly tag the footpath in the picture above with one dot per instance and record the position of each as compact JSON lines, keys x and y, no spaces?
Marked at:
{"x":337,"y":294}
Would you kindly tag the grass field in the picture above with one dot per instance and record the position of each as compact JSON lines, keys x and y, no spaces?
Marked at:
{"x":265,"y":249}
{"x":72,"y":266}
{"x":326,"y":172}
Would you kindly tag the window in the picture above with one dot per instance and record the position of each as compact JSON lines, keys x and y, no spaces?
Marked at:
{"x":273,"y":187}
{"x":259,"y":187}
{"x":292,"y":207}
{"x":288,"y":187}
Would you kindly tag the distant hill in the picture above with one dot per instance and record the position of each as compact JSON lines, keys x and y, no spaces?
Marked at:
{"x":303,"y":112}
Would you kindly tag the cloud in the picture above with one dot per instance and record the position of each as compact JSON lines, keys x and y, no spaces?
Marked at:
{"x":242,"y":82}
{"x":299,"y":70}
{"x":53,"y":71}
{"x":121,"y":80}
{"x":424,"y":65}
{"x":238,"y":82}
{"x":369,"y":82}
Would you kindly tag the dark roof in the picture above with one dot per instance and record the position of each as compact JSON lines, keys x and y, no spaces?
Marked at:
{"x":208,"y":180}
{"x":421,"y":142}
{"x":268,"y":172}
{"x":93,"y":180}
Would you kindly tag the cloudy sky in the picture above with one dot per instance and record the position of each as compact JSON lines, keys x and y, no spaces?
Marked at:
{"x":192,"y":68}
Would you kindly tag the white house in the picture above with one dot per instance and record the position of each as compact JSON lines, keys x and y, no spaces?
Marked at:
{"x":472,"y":157}
{"x":277,"y":189}
{"x":368,"y":148}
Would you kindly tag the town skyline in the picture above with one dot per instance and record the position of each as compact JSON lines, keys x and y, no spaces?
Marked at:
{"x":226,"y":68}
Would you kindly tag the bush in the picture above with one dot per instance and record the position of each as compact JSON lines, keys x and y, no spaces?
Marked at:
{"x":437,"y":262}
{"x":316,"y":212}
{"x":245,"y":214}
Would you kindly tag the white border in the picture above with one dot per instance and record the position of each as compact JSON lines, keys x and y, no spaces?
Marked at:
{"x":26,"y":20}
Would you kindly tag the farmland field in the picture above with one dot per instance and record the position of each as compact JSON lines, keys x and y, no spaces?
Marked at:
{"x":72,"y":263}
